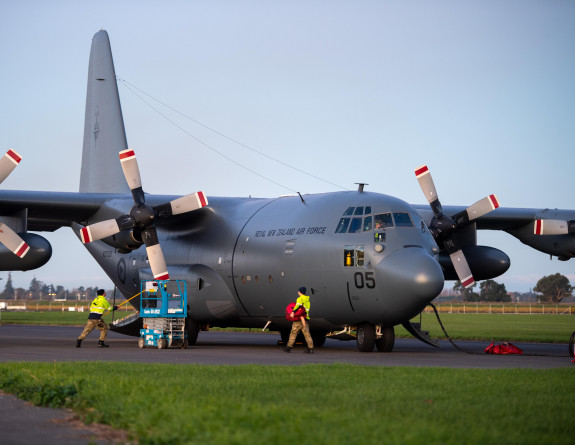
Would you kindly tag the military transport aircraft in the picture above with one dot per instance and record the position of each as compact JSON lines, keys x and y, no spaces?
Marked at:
{"x":370,"y":261}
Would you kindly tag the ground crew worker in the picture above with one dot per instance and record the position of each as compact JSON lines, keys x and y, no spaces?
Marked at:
{"x":97,"y":308}
{"x":302,"y":324}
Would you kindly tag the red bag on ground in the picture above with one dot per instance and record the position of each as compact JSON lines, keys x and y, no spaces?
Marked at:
{"x":503,"y":348}
{"x":299,"y":313}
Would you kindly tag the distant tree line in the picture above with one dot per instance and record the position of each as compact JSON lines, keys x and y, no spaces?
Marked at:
{"x":549,"y":289}
{"x":42,"y":291}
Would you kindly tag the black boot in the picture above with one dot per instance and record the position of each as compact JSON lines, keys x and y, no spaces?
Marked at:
{"x":309,"y":350}
{"x":101,"y":344}
{"x":78,"y":343}
{"x":286,"y":348}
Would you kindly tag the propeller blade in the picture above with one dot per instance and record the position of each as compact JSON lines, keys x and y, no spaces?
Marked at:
{"x":8,"y":162}
{"x":132,"y":174}
{"x":130,"y":168}
{"x":482,"y":207}
{"x":157,"y":262}
{"x":428,"y":187}
{"x":462,"y":268}
{"x":553,"y":227}
{"x":12,"y":241}
{"x":181,"y":205}
{"x":99,"y":230}
{"x":474,"y":211}
{"x":426,"y":183}
{"x":155,"y":254}
{"x":106,"y":228}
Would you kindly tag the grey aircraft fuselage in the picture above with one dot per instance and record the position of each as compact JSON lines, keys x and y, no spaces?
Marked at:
{"x":244,"y":259}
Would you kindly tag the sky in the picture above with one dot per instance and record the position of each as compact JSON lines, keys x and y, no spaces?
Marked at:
{"x":321,"y":94}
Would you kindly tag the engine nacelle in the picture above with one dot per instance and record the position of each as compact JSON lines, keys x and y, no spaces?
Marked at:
{"x":125,"y":241}
{"x":485,"y":263}
{"x":38,"y":255}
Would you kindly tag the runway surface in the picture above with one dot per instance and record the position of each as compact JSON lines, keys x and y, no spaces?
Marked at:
{"x":55,"y":343}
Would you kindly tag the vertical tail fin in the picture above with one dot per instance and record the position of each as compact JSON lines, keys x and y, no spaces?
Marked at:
{"x":104,"y":134}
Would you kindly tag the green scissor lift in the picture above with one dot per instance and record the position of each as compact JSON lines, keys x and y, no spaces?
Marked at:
{"x":163,"y":309}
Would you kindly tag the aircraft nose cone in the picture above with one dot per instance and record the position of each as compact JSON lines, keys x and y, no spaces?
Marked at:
{"x":411,"y":274}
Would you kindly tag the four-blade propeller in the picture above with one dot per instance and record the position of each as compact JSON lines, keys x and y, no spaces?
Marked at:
{"x":8,"y":237}
{"x":142,"y":216}
{"x":443,"y":227}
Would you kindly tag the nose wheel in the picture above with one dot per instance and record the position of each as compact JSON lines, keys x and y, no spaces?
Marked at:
{"x":386,"y":339}
{"x":368,"y":337}
{"x":365,"y":337}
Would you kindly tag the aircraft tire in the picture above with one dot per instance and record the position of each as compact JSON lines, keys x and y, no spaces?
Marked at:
{"x":193,"y":328}
{"x":385,"y":343}
{"x":365,"y":337}
{"x":572,"y":346}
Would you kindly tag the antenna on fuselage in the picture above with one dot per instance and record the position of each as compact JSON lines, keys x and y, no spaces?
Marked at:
{"x":301,"y":197}
{"x":360,"y":186}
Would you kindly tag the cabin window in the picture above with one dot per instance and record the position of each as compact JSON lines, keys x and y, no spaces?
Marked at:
{"x":349,"y":256}
{"x":354,"y":256}
{"x":379,"y":237}
{"x":402,"y":220}
{"x":359,"y":256}
{"x":349,"y":211}
{"x":358,"y":211}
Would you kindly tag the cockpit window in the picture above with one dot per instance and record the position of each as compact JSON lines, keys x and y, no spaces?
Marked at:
{"x":342,"y":226}
{"x":382,"y":220}
{"x":367,"y":224}
{"x":354,"y":222}
{"x":355,"y":225}
{"x":402,"y":220}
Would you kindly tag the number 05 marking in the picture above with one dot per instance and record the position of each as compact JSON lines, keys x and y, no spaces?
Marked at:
{"x":362,"y":280}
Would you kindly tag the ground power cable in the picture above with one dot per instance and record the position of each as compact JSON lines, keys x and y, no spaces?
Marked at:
{"x":467,"y":351}
{"x":132,"y":88}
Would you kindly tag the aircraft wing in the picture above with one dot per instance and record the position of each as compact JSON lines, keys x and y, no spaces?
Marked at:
{"x":48,"y":211}
{"x":503,"y":218}
{"x":520,"y":223}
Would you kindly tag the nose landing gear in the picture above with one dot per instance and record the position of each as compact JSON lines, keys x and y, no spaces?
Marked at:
{"x":369,"y":335}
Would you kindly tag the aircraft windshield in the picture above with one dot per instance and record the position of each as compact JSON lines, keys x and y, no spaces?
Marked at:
{"x":353,"y":222}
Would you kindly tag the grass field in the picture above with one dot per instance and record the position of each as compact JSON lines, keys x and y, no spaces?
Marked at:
{"x":320,"y":404}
